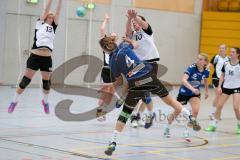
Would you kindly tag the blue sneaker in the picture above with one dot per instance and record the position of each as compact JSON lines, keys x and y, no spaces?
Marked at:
{"x":149,"y":120}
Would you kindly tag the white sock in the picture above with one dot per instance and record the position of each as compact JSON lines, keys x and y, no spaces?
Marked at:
{"x":45,"y":97}
{"x":150,"y":113}
{"x":15,"y":98}
{"x":167,"y":125}
{"x":115,"y":135}
{"x":213,"y":110}
{"x":214,"y":123}
{"x":185,"y":112}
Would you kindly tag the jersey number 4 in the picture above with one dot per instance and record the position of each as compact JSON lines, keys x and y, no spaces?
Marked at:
{"x":129,"y":61}
{"x":49,"y":29}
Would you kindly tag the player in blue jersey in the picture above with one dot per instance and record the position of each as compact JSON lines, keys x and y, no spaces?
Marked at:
{"x":190,"y":89}
{"x":140,"y":77}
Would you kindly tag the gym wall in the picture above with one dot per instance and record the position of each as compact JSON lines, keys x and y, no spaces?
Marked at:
{"x":176,"y":36}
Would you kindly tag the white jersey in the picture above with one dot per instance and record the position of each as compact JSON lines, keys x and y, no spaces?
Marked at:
{"x":44,"y":35}
{"x":232,"y":75}
{"x":218,"y":62}
{"x":147,"y":49}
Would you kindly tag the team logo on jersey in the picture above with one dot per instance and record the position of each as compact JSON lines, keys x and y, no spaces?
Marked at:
{"x":194,"y":76}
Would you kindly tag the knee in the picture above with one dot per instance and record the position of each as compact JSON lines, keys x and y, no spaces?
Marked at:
{"x":125,"y":114}
{"x":147,"y":99}
{"x":25,"y":82}
{"x":46,"y":84}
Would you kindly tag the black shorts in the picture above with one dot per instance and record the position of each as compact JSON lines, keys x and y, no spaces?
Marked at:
{"x":230,"y":91}
{"x":138,"y":88}
{"x":36,"y":62}
{"x":184,"y":99}
{"x":154,"y":64}
{"x":215,"y":82}
{"x":107,"y":75}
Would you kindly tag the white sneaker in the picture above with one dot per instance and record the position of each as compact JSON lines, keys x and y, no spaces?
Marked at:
{"x":134,"y":123}
{"x":141,"y":123}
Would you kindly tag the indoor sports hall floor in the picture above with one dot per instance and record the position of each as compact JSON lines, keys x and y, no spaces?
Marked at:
{"x":29,"y":134}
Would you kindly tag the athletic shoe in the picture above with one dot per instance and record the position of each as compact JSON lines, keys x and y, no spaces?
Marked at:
{"x":238,"y":129}
{"x":141,"y":122}
{"x":46,"y":107}
{"x":101,"y":115}
{"x":167,"y":132}
{"x":211,"y":116}
{"x":134,"y":120}
{"x":149,"y":120}
{"x":194,"y":124}
{"x":111,"y":148}
{"x":119,"y":103}
{"x":186,"y":136}
{"x":211,"y":128}
{"x":12,"y":107}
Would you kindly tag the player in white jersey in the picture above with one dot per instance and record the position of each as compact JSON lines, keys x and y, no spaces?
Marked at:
{"x":40,"y":58}
{"x":106,"y":74}
{"x":229,"y":84}
{"x":147,"y":52}
{"x":217,"y":62}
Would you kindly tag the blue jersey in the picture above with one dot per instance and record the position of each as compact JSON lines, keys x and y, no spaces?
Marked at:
{"x":124,"y":61}
{"x":195,"y":79}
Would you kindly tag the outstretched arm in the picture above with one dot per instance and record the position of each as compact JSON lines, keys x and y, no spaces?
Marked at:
{"x":103,"y":26}
{"x":58,"y":11}
{"x":129,"y":30}
{"x":46,"y":10}
{"x":133,"y":15}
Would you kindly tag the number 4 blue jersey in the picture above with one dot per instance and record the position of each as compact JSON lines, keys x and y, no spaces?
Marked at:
{"x":195,"y":79}
{"x":124,"y":61}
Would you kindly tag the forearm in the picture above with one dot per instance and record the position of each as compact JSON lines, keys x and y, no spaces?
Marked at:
{"x":58,"y":11}
{"x":142,"y":23}
{"x":103,"y":28}
{"x":46,"y":9}
{"x":221,"y":81}
{"x":129,"y":29}
{"x":206,"y":85}
{"x":187,"y":84}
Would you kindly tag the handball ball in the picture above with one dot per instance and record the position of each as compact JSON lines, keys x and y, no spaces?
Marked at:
{"x":81,"y":11}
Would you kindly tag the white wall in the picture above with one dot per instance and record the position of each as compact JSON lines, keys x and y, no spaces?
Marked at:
{"x":3,"y":4}
{"x":176,"y":34}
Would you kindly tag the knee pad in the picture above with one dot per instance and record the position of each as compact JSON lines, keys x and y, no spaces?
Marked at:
{"x":46,"y":84}
{"x":147,"y":98}
{"x":24,"y":83}
{"x":125,"y":114}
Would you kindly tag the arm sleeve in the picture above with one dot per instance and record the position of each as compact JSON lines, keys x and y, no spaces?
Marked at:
{"x":148,"y":30}
{"x":223,"y":68}
{"x":212,"y":60}
{"x":39,"y":23}
{"x":189,"y":71}
{"x":54,"y":26}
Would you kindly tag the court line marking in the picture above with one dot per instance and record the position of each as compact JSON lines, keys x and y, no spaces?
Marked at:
{"x":54,"y":149}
